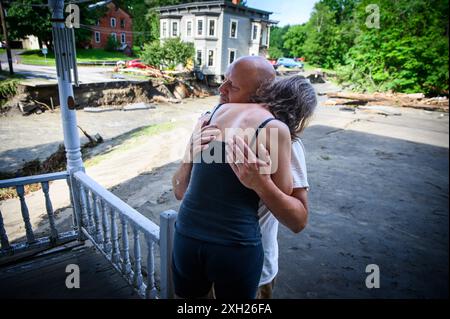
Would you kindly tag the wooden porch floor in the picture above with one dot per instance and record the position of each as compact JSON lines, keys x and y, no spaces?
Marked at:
{"x":45,"y":277}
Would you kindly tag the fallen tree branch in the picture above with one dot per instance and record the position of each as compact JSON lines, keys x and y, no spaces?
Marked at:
{"x":43,"y":104}
{"x":416,"y":100}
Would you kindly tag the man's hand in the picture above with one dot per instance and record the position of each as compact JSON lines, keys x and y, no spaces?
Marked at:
{"x":201,"y":137}
{"x":252,"y":171}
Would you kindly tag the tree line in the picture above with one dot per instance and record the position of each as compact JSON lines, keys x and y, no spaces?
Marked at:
{"x":399,"y":45}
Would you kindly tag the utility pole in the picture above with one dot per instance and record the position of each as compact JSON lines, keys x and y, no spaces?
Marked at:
{"x":5,"y":35}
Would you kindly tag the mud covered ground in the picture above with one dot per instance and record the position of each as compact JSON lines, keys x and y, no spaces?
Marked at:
{"x":379,"y":194}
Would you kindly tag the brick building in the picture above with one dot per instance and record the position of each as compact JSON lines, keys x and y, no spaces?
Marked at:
{"x":116,"y":22}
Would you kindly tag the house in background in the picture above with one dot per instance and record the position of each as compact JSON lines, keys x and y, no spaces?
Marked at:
{"x":221,"y":31}
{"x":116,"y":22}
{"x":30,"y":42}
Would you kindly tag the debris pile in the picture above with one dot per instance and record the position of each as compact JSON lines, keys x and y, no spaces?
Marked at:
{"x":415,"y":100}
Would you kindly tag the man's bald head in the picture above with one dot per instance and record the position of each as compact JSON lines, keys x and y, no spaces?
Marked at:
{"x":257,"y":69}
{"x":243,"y":78}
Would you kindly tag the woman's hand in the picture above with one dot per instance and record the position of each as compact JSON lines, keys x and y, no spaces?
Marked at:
{"x":252,"y":171}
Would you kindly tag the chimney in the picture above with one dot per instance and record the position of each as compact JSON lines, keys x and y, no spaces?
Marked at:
{"x":236,"y":2}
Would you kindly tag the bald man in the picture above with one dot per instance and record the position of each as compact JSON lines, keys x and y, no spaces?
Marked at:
{"x":242,"y":80}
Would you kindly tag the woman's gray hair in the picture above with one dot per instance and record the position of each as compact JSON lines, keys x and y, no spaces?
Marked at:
{"x":292,"y":100}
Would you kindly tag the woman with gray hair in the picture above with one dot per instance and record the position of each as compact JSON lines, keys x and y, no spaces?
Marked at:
{"x":217,"y":239}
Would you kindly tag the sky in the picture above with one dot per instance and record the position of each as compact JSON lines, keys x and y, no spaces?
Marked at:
{"x":285,"y":11}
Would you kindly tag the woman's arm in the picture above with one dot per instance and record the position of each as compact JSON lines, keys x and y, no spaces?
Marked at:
{"x":277,"y":139}
{"x":290,"y":210}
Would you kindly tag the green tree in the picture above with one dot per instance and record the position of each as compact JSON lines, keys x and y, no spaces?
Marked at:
{"x":408,"y":53}
{"x":111,"y":44}
{"x":327,"y":36}
{"x":275,"y":53}
{"x":294,"y":40}
{"x":24,"y":19}
{"x":277,"y":38}
{"x":152,"y":53}
{"x":168,"y":53}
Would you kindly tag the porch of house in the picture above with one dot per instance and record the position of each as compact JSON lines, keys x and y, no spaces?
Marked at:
{"x":119,"y":252}
{"x":44,"y":276}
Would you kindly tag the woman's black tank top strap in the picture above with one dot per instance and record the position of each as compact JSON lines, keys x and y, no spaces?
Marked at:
{"x":214,"y":112}
{"x":260,"y":127}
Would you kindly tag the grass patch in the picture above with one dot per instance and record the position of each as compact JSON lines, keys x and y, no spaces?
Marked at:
{"x":134,"y":139}
{"x":83,"y":55}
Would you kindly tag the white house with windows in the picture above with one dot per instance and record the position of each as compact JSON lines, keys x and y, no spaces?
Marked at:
{"x":221,"y":31}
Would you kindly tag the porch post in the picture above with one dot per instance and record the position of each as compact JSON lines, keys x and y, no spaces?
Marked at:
{"x":63,"y":51}
{"x":65,"y":58}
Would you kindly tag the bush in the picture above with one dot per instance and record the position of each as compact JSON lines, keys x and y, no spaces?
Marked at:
{"x":169,"y":53}
{"x":111,"y":44}
{"x":152,"y":53}
{"x":275,"y":53}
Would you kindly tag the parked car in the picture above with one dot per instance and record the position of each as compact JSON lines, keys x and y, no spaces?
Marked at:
{"x":136,"y":64}
{"x":289,"y":63}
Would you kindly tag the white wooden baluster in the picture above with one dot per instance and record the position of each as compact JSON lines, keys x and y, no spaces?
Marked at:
{"x":49,"y":207}
{"x":84,"y":212}
{"x":74,"y":208}
{"x":3,"y":236}
{"x":115,"y":255}
{"x":137,"y":280}
{"x":126,"y":264}
{"x":25,"y":214}
{"x":89,"y":210}
{"x":150,"y":292}
{"x":98,"y":229}
{"x":85,"y":198}
{"x":105,"y":224}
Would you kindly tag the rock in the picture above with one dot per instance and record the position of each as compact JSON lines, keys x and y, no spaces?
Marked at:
{"x":316,"y":78}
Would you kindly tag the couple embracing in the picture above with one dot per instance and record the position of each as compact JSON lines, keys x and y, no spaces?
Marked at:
{"x":243,"y":172}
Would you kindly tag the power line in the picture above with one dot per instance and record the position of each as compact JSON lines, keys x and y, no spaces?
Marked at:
{"x":42,"y":5}
{"x":108,"y":30}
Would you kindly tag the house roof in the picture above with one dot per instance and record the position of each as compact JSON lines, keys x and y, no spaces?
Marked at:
{"x":223,"y":3}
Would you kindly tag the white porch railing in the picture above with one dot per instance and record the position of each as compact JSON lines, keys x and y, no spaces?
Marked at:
{"x":102,"y":216}
{"x":109,"y":223}
{"x":55,"y":238}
